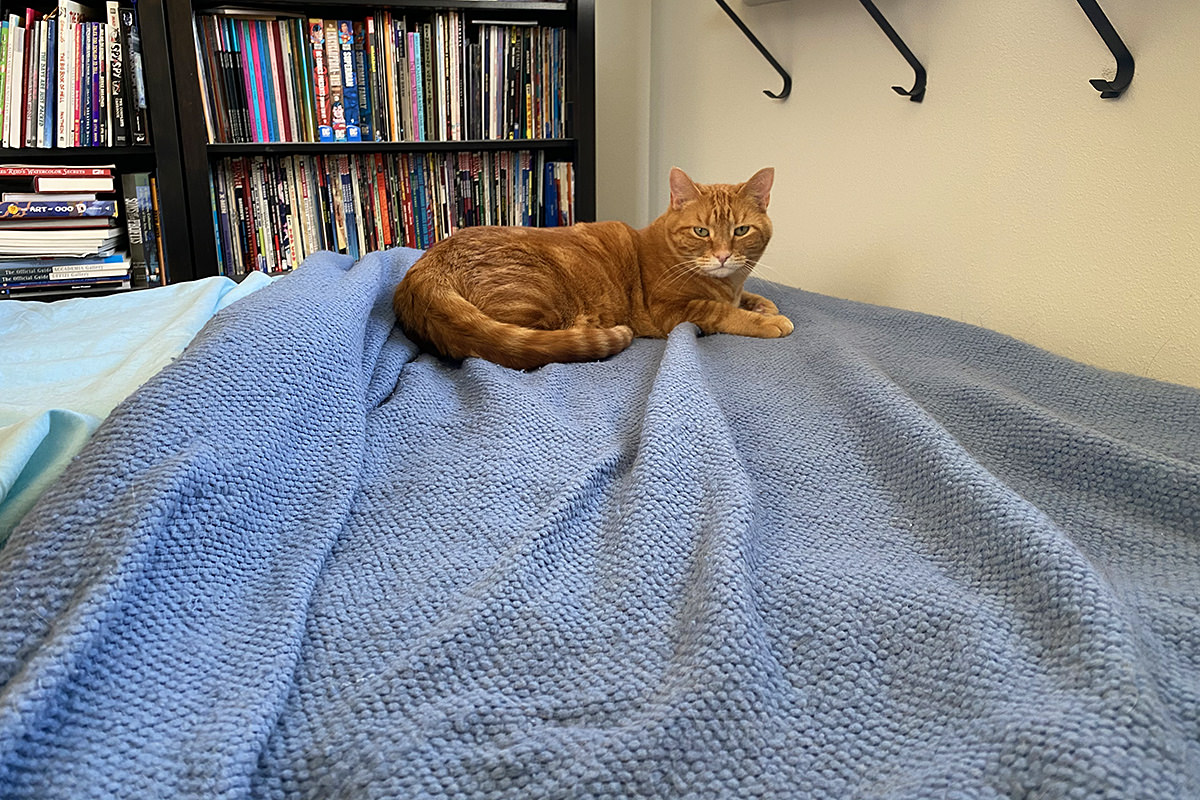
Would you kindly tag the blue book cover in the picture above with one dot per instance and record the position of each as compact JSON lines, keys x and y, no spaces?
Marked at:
{"x":551,"y":195}
{"x":345,"y":36}
{"x":50,"y":128}
{"x":420,"y":81}
{"x":348,"y":208}
{"x":417,"y":179}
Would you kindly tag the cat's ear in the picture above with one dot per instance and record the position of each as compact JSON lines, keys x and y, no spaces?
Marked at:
{"x":758,"y":188}
{"x":683,"y":190}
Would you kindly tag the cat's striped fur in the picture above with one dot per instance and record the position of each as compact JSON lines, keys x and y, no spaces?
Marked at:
{"x":525,"y":297}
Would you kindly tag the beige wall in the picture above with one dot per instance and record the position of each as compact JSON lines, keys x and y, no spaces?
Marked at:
{"x":1013,"y":197}
{"x":623,"y":110}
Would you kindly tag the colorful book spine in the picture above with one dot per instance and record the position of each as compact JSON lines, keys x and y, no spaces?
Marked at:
{"x":333,"y":58}
{"x":41,"y":209}
{"x":361,"y":62}
{"x":345,"y":35}
{"x":316,"y":40}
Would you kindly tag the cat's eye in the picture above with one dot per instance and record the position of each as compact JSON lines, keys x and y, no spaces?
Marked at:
{"x":701,"y":232}
{"x":741,"y":230}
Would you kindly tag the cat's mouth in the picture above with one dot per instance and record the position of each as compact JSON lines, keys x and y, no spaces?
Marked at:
{"x":716,"y":269}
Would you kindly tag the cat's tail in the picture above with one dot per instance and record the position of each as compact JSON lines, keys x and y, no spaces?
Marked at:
{"x":441,"y":318}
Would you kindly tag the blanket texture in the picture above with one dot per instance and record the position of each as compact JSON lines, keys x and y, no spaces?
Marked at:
{"x":64,"y":366}
{"x":890,"y":556}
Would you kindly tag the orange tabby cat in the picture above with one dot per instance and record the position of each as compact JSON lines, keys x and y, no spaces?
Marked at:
{"x":524,"y":297}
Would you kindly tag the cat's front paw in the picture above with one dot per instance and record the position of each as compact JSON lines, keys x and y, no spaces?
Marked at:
{"x":760,"y":305}
{"x":776,"y":326}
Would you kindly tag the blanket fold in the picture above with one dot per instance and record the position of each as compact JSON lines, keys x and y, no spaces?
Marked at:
{"x":889,"y":556}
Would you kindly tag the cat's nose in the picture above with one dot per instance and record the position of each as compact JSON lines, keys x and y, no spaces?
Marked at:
{"x":722,"y":256}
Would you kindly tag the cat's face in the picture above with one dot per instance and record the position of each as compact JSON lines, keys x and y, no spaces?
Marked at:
{"x":720,"y":229}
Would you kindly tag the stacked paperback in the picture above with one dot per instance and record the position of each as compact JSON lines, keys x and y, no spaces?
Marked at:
{"x":73,"y":77}
{"x":61,"y":233}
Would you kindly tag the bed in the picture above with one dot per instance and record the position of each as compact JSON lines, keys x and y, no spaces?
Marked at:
{"x":890,"y":556}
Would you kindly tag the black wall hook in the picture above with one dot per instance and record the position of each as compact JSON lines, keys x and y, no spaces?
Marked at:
{"x":787,"y":79}
{"x":1114,"y":88}
{"x":917,"y":92}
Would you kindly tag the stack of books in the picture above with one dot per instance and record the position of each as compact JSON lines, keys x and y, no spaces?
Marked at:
{"x":286,"y":78}
{"x":59,"y":232}
{"x":73,"y":77}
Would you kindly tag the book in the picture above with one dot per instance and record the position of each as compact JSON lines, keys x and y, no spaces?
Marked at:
{"x":41,"y":270}
{"x":361,"y":83}
{"x":116,"y":67}
{"x":39,"y":171}
{"x":134,"y":76}
{"x":337,"y":108}
{"x":40,"y":209}
{"x":320,"y":68}
{"x":345,"y":38}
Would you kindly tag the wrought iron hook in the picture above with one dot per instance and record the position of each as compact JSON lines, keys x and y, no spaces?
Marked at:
{"x":1114,"y":88}
{"x":787,"y":79}
{"x":917,"y":92}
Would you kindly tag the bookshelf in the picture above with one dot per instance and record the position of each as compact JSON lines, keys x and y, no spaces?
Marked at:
{"x":161,"y":156}
{"x":200,"y":158}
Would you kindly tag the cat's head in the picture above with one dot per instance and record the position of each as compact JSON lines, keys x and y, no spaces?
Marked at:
{"x":721,"y":228}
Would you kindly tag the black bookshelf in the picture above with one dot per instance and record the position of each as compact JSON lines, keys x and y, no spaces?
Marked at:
{"x":162,"y":156}
{"x":197,"y":154}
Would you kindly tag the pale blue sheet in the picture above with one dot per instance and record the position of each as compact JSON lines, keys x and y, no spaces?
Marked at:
{"x":64,"y":366}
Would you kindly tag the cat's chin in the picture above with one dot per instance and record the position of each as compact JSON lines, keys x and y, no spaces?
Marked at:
{"x":723,"y":270}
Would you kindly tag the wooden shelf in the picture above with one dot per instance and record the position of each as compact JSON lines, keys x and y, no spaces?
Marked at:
{"x":230,"y":149}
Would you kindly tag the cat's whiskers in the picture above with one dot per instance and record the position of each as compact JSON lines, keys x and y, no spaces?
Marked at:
{"x":677,"y":273}
{"x":775,"y":272}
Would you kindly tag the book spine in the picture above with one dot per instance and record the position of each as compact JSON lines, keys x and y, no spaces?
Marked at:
{"x":145,"y":209}
{"x":333,"y":62}
{"x":4,"y":101}
{"x":41,"y":209}
{"x":33,"y":275}
{"x":37,"y":137}
{"x":281,"y":82}
{"x":135,"y":77}
{"x":316,"y":41}
{"x":361,"y":75}
{"x":349,"y":86}
{"x":99,"y":85}
{"x":219,"y":191}
{"x":50,"y":132}
{"x":286,"y":83}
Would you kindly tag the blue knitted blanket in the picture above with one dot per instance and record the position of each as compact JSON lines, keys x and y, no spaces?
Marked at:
{"x":890,"y":556}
